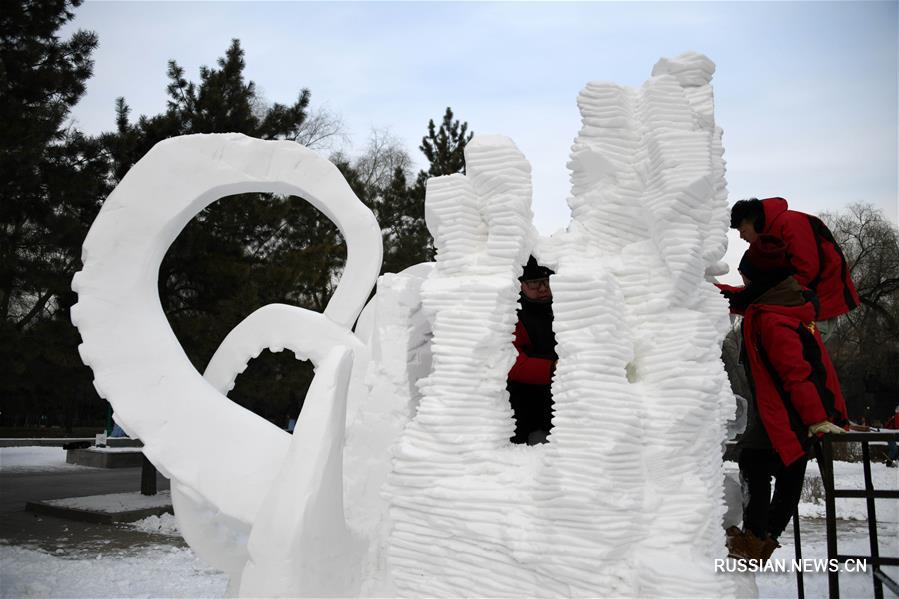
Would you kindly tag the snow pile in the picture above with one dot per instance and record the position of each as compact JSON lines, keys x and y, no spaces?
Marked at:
{"x":407,"y":422}
{"x":166,"y":524}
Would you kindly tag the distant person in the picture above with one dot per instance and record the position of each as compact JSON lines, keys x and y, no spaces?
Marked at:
{"x":892,"y":448}
{"x":796,"y":394}
{"x":531,"y":375}
{"x":811,"y":249}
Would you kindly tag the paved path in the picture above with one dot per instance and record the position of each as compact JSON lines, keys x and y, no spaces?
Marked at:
{"x":62,"y":536}
{"x":18,"y":487}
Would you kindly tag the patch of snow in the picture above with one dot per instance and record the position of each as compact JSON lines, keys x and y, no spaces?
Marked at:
{"x":850,"y":475}
{"x":115,"y":502}
{"x":34,"y":459}
{"x":157,"y":571}
{"x":166,"y":524}
{"x":852,"y":540}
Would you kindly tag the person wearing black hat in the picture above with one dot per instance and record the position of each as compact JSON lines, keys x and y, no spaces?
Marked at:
{"x":796,"y":394}
{"x":531,"y":376}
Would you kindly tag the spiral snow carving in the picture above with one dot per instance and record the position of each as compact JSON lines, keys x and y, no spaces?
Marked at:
{"x":158,"y":396}
{"x":400,"y":478}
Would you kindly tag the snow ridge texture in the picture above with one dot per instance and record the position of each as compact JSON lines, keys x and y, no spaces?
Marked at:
{"x":626,"y":498}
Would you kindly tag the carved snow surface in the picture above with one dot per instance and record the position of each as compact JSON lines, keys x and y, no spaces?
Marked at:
{"x":626,"y":499}
{"x":400,"y":478}
{"x":235,"y":477}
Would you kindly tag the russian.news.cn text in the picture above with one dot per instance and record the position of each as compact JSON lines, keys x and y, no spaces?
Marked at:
{"x":808,"y":565}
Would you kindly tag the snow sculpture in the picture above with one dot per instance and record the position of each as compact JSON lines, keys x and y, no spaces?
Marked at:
{"x":227,"y":465}
{"x":400,"y":479}
{"x":626,"y":499}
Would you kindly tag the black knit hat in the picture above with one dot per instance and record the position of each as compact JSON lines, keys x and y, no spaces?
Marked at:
{"x":532,"y":271}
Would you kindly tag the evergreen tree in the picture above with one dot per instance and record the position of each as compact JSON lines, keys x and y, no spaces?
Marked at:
{"x":401,"y":213}
{"x":380,"y":177}
{"x":444,"y":147}
{"x":53,"y":179}
{"x":242,"y":251}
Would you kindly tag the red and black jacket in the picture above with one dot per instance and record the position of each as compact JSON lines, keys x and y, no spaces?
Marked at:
{"x":793,"y":379}
{"x":815,"y":255}
{"x":536,"y":345}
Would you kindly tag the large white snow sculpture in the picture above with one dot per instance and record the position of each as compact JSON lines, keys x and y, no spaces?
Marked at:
{"x":226,"y":464}
{"x":426,"y":496}
{"x":626,"y":499}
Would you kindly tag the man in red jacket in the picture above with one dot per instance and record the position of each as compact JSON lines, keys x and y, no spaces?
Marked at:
{"x":531,"y":375}
{"x":796,"y":392}
{"x":813,"y":252}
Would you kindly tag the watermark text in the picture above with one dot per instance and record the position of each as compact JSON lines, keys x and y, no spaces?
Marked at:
{"x":791,"y":565}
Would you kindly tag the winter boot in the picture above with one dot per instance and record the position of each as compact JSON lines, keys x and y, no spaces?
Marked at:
{"x":746,"y":546}
{"x":768,"y":547}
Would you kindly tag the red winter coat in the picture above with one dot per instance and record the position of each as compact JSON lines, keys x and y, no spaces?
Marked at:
{"x":793,"y":378}
{"x":529,"y":370}
{"x":815,"y":255}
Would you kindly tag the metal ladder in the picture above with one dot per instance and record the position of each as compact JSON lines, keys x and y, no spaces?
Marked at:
{"x":824,"y":455}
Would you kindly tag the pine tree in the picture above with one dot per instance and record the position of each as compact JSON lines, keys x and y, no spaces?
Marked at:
{"x":53,"y":179}
{"x":42,"y":78}
{"x":397,"y":204}
{"x":243,"y":251}
{"x":444,"y":147}
{"x":402,"y":217}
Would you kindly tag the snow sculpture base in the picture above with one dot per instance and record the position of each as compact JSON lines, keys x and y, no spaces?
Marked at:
{"x":400,"y":479}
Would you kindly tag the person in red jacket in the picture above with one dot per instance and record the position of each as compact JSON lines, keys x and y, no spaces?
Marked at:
{"x":892,"y":448}
{"x":813,"y":252}
{"x":795,"y":388}
{"x":531,"y":376}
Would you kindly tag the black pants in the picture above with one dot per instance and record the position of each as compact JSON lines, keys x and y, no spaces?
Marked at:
{"x":765,"y":515}
{"x":532,"y":405}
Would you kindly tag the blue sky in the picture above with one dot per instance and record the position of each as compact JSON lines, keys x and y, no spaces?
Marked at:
{"x":806,"y":92}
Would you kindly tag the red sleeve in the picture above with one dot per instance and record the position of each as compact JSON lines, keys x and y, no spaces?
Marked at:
{"x":725,"y":289}
{"x":802,"y":248}
{"x":784,"y":350}
{"x":528,"y":370}
{"x":731,"y":293}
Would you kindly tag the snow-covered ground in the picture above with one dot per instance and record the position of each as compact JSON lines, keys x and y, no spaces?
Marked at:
{"x":164,"y":571}
{"x":156,"y":571}
{"x":34,"y":459}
